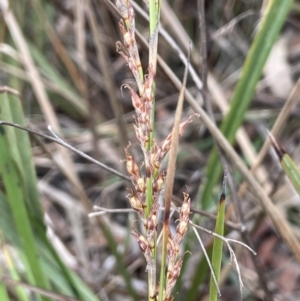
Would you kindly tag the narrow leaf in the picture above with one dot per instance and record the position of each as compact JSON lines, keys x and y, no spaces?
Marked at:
{"x":11,"y":172}
{"x":287,"y":163}
{"x":216,"y":259}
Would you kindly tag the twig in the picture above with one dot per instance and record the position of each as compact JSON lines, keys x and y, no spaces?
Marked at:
{"x":224,"y":239}
{"x":207,"y":259}
{"x":230,"y":224}
{"x":233,"y":258}
{"x":58,"y":140}
{"x":227,"y":28}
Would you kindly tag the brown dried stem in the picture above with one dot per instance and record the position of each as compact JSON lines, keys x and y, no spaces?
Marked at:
{"x":170,"y":182}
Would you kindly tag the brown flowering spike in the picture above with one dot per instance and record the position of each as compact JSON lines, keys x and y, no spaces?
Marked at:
{"x":128,"y":32}
{"x":183,"y":219}
{"x":127,"y":41}
{"x":131,"y":166}
{"x":151,"y":223}
{"x":136,"y":101}
{"x":183,"y":124}
{"x":131,"y":16}
{"x":148,"y":86}
{"x":166,"y":144}
{"x":172,"y":277}
{"x":175,"y":271}
{"x":172,"y":249}
{"x":185,"y":207}
{"x":120,"y":49}
{"x":135,"y":202}
{"x":134,"y":67}
{"x":180,"y":231}
{"x":141,"y":185}
{"x":141,"y":138}
{"x":144,"y":118}
{"x":159,"y":182}
{"x":154,"y":156}
{"x":143,"y":243}
{"x":122,"y":28}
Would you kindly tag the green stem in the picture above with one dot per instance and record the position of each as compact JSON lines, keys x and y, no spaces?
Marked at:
{"x":162,"y":278}
{"x":152,"y":16}
{"x":149,"y":196}
{"x":154,"y":10}
{"x":217,"y":253}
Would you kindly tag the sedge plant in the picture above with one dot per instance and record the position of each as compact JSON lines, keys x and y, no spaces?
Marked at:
{"x":144,"y":196}
{"x":149,"y":180}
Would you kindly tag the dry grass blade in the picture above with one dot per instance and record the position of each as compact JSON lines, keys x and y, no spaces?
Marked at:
{"x":170,"y":181}
{"x":289,"y":166}
{"x":278,"y":125}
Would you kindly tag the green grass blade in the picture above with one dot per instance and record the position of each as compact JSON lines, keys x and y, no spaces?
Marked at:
{"x":292,"y":171}
{"x":287,"y":163}
{"x":217,"y":252}
{"x":26,"y":162}
{"x":3,"y":292}
{"x":245,"y":88}
{"x":11,"y":172}
{"x":14,"y":274}
{"x":18,"y":146}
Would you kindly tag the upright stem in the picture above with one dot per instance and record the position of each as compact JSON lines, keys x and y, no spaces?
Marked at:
{"x":154,"y":9}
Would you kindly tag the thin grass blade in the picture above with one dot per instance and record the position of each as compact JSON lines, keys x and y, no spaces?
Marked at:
{"x":13,"y":178}
{"x":217,"y":252}
{"x":3,"y":292}
{"x":287,"y":163}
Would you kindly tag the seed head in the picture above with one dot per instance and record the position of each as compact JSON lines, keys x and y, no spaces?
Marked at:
{"x":135,"y":203}
{"x":159,"y":182}
{"x":172,"y":249}
{"x":141,"y":185}
{"x":131,"y":166}
{"x":143,"y":243}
